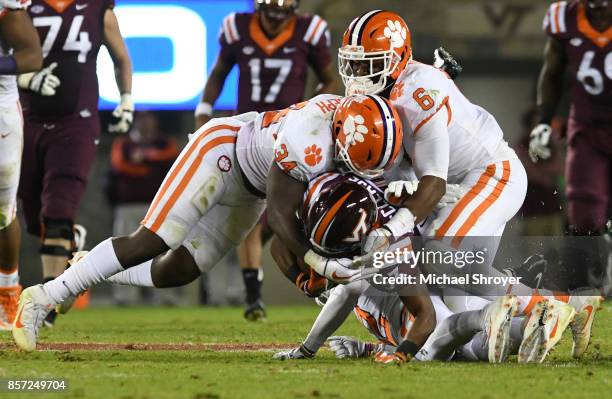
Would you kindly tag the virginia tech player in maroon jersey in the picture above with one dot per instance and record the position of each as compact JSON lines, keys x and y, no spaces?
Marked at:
{"x":273,"y":48}
{"x":60,"y":106}
{"x":580,"y":41}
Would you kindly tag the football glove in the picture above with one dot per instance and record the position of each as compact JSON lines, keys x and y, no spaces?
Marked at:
{"x":349,"y":347}
{"x":454,"y":192}
{"x":340,"y":270}
{"x":445,"y":61}
{"x":43,"y":82}
{"x":312,"y":284}
{"x":123,"y":115}
{"x":539,"y":141}
{"x":396,"y":189}
{"x":300,"y":352}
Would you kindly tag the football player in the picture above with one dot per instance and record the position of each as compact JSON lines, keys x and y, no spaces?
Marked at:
{"x":60,"y":106}
{"x":273,"y":48}
{"x":20,"y":52}
{"x":580,"y":41}
{"x":337,"y":213}
{"x":213,"y":195}
{"x":449,"y":139}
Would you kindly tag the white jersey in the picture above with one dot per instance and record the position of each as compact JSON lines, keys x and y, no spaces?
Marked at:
{"x":474,"y":136}
{"x":8,"y":83}
{"x":298,"y":139}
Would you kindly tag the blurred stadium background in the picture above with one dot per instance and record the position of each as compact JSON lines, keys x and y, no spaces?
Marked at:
{"x":499,"y":43}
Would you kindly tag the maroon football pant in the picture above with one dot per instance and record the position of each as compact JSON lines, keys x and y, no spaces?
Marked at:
{"x":57,"y":158}
{"x":588,"y":171}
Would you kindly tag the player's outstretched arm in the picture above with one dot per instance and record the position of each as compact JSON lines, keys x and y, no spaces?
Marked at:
{"x":118,"y":51}
{"x":550,"y":89}
{"x":212,"y":90}
{"x":421,"y":307}
{"x":550,"y":82}
{"x":123,"y":115}
{"x":284,"y":196}
{"x":19,"y":34}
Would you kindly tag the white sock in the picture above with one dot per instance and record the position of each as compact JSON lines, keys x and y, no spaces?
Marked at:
{"x":98,"y":265}
{"x":9,"y":279}
{"x":139,"y":276}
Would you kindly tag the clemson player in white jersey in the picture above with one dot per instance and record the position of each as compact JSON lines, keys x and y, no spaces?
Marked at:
{"x":210,"y":199}
{"x":20,"y":52}
{"x":450,"y":139}
{"x":337,"y":212}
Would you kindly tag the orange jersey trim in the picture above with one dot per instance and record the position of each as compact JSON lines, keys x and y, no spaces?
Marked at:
{"x":175,"y":171}
{"x":270,"y":46}
{"x":601,"y":39}
{"x":424,"y":121}
{"x":482,"y":208}
{"x":463,"y":203}
{"x":190,"y":172}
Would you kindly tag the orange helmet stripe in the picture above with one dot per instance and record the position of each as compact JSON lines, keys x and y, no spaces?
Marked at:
{"x":321,"y":229}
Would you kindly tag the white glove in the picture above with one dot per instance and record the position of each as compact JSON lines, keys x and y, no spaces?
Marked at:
{"x":454,"y":192}
{"x":399,"y":187}
{"x":291,"y":354}
{"x":123,"y":115}
{"x":539,"y":140}
{"x":340,"y":270}
{"x":378,"y":240}
{"x":43,"y":82}
{"x":349,"y":347}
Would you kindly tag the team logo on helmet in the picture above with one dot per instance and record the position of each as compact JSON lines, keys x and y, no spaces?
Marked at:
{"x":396,"y":33}
{"x":355,"y":129}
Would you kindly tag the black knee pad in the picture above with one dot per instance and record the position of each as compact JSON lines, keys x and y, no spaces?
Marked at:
{"x":57,"y":228}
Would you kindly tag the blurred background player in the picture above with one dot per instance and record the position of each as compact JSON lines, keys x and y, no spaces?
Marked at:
{"x":20,"y":52}
{"x":139,"y":163}
{"x":273,"y":48}
{"x":60,"y":106}
{"x":580,"y":40}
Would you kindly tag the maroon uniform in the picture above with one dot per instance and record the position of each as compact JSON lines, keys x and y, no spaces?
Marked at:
{"x":60,"y":131}
{"x":589,"y":159}
{"x":273,"y":71}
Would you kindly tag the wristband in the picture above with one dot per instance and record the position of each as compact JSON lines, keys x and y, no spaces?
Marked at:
{"x":8,"y":65}
{"x":546,"y":112}
{"x":203,"y":109}
{"x":126,"y":101}
{"x":408,"y":348}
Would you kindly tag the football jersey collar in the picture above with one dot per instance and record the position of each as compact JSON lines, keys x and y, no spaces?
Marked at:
{"x":270,"y":46}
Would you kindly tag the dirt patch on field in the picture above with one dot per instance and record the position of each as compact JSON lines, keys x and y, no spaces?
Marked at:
{"x":100,"y":346}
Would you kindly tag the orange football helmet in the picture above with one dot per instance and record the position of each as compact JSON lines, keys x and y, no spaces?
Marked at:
{"x":375,"y":47}
{"x":368,"y":134}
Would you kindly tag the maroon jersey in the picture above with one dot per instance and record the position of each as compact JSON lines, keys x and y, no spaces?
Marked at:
{"x":589,"y":56}
{"x":71,"y":33}
{"x":273,"y":71}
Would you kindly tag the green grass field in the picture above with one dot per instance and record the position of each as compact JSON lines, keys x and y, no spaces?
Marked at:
{"x":208,"y":373}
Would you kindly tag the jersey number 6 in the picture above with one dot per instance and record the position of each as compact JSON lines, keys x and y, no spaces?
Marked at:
{"x":423,"y":99}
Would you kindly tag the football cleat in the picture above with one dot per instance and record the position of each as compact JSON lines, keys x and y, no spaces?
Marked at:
{"x":582,"y":323}
{"x":301,"y":352}
{"x":9,"y":300}
{"x":497,"y":327}
{"x":256,"y":311}
{"x":544,"y":329}
{"x":34,"y":305}
{"x":65,"y":306}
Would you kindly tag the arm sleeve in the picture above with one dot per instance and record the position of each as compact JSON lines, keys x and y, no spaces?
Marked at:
{"x":318,"y":38}
{"x":228,"y":36}
{"x":431,"y":147}
{"x":555,"y":21}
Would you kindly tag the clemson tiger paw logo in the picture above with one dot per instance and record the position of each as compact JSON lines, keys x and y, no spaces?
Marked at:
{"x":354,"y":129}
{"x":313,"y":155}
{"x":396,"y":33}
